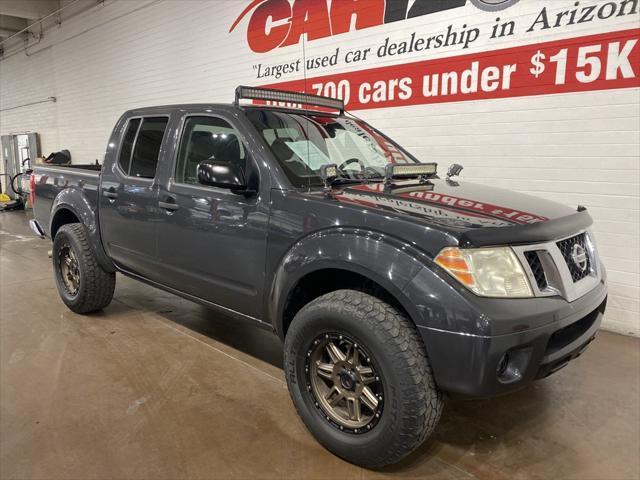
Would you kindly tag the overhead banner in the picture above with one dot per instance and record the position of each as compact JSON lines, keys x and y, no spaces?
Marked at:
{"x":383,"y":53}
{"x":595,"y":62}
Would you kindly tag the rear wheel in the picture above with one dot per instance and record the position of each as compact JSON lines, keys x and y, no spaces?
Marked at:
{"x":84,"y":286}
{"x":360,"y":379}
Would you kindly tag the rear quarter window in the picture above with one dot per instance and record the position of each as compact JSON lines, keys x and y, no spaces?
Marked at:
{"x":141,"y":146}
{"x":147,"y":149}
{"x":127,"y":145}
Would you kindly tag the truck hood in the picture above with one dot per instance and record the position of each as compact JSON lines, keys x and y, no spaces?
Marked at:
{"x":476,"y":214}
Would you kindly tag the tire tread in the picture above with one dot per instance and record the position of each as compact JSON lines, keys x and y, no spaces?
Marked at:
{"x":417,"y":386}
{"x":99,"y":284}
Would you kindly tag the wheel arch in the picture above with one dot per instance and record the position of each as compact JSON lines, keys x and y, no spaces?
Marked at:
{"x":332,"y":260}
{"x":63,"y":216}
{"x":70,"y":206}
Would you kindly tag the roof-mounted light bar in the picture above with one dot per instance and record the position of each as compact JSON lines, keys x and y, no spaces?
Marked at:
{"x":409,"y":170}
{"x":272,"y":95}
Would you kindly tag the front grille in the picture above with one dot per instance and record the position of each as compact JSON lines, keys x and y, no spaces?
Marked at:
{"x":568,"y":268}
{"x":536,"y":268}
{"x":566,"y":248}
{"x":568,"y":334}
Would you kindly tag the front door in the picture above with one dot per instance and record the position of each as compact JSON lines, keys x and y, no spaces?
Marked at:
{"x":211,"y":242}
{"x":129,"y":196}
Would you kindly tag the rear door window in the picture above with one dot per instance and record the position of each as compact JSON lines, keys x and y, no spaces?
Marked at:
{"x":127,"y":145}
{"x":144,"y":160}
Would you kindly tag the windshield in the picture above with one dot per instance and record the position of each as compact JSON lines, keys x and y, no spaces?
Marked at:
{"x":302,"y":143}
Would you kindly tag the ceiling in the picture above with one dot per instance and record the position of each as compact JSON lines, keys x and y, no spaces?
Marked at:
{"x":16,"y":15}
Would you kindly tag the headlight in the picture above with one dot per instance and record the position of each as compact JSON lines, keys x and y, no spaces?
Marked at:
{"x":488,"y":272}
{"x":592,"y":250}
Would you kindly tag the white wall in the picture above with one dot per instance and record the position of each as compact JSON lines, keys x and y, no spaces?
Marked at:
{"x":576,"y":148}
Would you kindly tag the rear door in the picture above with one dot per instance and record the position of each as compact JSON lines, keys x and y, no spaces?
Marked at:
{"x":129,"y":195}
{"x":211,"y":242}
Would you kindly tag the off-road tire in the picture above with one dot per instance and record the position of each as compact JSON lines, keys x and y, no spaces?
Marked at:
{"x":96,"y":285}
{"x":412,"y":405}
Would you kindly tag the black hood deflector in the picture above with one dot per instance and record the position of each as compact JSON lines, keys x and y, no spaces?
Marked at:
{"x":525,"y":234}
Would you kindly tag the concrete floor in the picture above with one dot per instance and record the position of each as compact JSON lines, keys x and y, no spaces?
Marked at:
{"x":156,"y":387}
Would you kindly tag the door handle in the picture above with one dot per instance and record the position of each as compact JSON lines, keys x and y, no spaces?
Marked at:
{"x":170,"y":205}
{"x":111,"y":194}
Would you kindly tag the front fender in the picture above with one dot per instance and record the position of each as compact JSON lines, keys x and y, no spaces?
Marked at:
{"x":76,"y":202}
{"x":384,"y":259}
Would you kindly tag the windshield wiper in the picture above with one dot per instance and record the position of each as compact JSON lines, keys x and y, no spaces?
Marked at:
{"x":347,"y":181}
{"x":332,"y":176}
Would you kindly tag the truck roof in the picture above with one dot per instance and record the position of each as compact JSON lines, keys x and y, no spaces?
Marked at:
{"x":228,"y":107}
{"x":182,"y":106}
{"x":260,"y":94}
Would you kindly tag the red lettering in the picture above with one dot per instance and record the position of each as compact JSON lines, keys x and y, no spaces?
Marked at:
{"x":310,"y":17}
{"x":275,"y":23}
{"x":262,"y":35}
{"x":368,"y":13}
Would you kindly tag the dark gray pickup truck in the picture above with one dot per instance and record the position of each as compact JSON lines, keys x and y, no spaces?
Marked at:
{"x":388,"y":284}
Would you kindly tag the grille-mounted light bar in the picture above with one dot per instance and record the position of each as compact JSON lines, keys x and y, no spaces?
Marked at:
{"x":268,"y":94}
{"x":409,"y":170}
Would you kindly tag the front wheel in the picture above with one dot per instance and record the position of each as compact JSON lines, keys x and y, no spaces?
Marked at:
{"x":360,"y":378}
{"x":84,"y":286}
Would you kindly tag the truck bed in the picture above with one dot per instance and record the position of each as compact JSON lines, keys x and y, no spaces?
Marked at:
{"x":50,"y":180}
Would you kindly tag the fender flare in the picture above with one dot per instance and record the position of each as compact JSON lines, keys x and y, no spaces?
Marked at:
{"x":74,"y":200}
{"x":384,"y":259}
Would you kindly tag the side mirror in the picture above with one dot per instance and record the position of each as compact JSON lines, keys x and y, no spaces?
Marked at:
{"x":222,"y":175}
{"x":454,"y":170}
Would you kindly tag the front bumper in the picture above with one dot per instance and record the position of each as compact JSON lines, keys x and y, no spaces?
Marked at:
{"x":36,"y":228}
{"x":482,"y":366}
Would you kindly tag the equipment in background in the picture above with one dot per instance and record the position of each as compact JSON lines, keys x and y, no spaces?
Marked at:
{"x":17,"y":151}
{"x":20,"y":194}
{"x":63,"y":157}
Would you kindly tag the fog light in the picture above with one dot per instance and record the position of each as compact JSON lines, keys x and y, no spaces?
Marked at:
{"x":513,"y":364}
{"x":503,"y":364}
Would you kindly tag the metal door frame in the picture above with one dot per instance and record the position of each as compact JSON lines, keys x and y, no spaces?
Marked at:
{"x":11,"y":164}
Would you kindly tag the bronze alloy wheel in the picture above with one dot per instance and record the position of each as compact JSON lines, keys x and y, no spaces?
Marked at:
{"x":69,"y":270}
{"x":83,"y":284}
{"x":346,"y":388}
{"x":360,"y":379}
